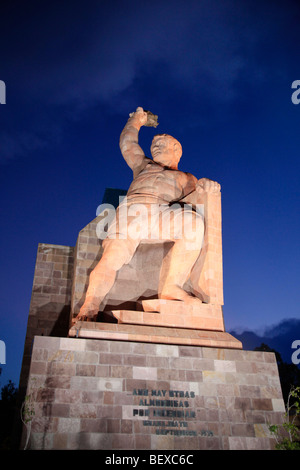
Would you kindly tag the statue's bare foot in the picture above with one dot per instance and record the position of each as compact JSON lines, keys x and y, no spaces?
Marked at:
{"x":190,"y":300}
{"x":88,"y":312}
{"x":177,"y":293}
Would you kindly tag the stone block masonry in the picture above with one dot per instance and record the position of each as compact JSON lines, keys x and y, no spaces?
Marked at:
{"x":49,"y":313}
{"x":103,"y":394}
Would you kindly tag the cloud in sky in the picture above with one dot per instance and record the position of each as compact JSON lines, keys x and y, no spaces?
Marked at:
{"x":72,"y":59}
{"x":19,"y":144}
{"x":75,"y":56}
{"x":279,"y":336}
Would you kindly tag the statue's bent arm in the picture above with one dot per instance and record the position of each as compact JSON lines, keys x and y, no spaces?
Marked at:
{"x":132,"y":152}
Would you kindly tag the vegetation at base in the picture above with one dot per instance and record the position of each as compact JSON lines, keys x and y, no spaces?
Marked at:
{"x":287,"y":434}
{"x":8,"y":408}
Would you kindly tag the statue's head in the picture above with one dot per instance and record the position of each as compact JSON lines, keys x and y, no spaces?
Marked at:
{"x":166,"y":150}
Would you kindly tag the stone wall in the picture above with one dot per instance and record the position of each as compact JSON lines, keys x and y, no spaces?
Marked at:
{"x":49,"y":313}
{"x":102,"y":394}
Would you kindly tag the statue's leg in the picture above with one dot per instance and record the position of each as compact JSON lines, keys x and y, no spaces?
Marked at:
{"x":116,"y":253}
{"x":181,"y":259}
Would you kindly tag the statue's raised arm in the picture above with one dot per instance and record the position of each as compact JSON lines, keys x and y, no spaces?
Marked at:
{"x":132,"y":152}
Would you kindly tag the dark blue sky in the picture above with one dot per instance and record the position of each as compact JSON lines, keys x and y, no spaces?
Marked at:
{"x":218,"y":73}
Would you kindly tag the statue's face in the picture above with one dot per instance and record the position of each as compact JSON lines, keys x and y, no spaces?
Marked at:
{"x":165,"y":150}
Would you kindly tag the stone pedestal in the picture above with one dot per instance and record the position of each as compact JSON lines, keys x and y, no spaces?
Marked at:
{"x":111,"y":394}
{"x":154,"y":334}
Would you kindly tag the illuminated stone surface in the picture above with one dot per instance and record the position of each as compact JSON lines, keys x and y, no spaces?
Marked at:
{"x":191,"y":270}
{"x":107,"y":394}
{"x":154,"y":334}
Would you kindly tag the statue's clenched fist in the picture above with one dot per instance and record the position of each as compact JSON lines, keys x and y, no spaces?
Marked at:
{"x":140,"y":116}
{"x":205,"y":185}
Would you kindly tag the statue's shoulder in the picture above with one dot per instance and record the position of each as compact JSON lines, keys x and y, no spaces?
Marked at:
{"x":187,"y":181}
{"x":186,"y":175}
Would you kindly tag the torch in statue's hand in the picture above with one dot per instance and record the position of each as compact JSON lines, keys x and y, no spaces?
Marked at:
{"x":149,"y":119}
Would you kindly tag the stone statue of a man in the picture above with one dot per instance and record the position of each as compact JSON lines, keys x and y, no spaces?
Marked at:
{"x":155,"y":192}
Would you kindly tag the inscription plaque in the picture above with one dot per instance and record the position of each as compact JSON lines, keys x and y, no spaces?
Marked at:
{"x":178,"y":405}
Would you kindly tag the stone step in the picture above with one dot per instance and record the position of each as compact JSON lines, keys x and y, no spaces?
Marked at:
{"x":154,"y":334}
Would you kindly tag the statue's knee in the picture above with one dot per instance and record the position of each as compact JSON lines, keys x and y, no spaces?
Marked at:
{"x":117,"y":253}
